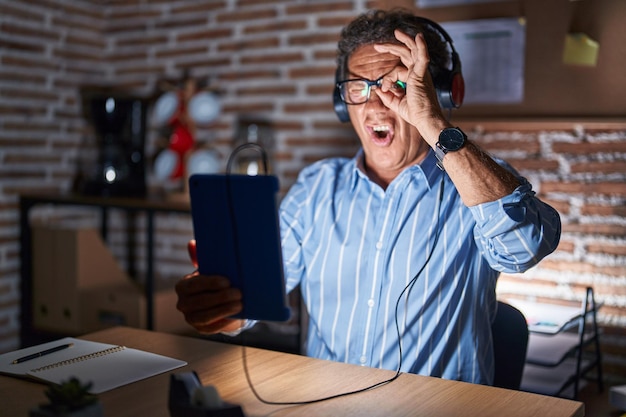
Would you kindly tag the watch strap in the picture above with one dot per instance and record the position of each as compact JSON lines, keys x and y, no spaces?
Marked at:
{"x":439,"y":154}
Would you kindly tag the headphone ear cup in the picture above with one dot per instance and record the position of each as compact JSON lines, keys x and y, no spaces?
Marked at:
{"x":442,"y":86}
{"x":450,"y":85}
{"x":457,"y":90}
{"x":457,"y":83}
{"x":450,"y":88}
{"x":341,"y":108}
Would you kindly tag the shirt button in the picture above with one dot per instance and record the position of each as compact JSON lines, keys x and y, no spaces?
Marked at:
{"x":363,"y":360}
{"x":379,"y":245}
{"x":370,"y":303}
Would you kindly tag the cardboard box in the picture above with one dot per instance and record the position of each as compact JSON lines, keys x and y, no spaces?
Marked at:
{"x":111,"y":305}
{"x":67,"y":261}
{"x":166,"y":317}
{"x":79,"y":287}
{"x":125,"y":304}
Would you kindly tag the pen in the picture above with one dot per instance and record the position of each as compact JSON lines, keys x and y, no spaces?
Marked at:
{"x":546,"y":323}
{"x":42,"y":353}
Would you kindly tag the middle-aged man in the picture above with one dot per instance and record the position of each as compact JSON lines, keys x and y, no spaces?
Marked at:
{"x":389,"y":250}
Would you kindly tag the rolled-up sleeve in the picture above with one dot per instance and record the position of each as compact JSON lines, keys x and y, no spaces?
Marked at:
{"x":516,"y":231}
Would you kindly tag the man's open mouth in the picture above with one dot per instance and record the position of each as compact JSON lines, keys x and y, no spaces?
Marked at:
{"x":381,"y":131}
{"x":381,"y":134}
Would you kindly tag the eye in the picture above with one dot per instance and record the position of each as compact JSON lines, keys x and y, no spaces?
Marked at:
{"x":357,"y":89}
{"x":398,"y":88}
{"x":399,"y":85}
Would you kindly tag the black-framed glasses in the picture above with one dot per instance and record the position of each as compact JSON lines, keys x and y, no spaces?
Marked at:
{"x":357,"y":90}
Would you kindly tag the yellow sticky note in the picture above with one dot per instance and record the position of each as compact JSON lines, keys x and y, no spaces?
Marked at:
{"x":580,"y":49}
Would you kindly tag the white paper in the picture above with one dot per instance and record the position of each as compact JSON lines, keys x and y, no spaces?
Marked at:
{"x":492,"y":58}
{"x":105,"y":366}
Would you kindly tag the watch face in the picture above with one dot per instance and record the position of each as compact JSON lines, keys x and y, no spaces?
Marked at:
{"x":451,"y":139}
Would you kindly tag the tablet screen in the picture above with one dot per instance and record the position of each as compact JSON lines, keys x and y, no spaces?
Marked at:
{"x":235,"y":223}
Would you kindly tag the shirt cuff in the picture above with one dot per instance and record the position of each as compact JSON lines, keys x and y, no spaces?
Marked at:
{"x":500,"y":216}
{"x":246,"y":325}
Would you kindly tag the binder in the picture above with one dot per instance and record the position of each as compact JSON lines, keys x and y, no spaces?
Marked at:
{"x":106,"y":366}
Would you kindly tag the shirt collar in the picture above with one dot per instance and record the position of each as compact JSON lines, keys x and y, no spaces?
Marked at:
{"x":359,"y":169}
{"x":430,"y":169}
{"x":426,"y":169}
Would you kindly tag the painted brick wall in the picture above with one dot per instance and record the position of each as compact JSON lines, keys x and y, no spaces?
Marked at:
{"x":579,"y":169}
{"x":273,"y":59}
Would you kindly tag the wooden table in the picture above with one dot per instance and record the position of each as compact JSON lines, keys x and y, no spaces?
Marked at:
{"x":286,"y":377}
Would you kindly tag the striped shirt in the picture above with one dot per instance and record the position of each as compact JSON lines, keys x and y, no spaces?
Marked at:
{"x":353,"y":248}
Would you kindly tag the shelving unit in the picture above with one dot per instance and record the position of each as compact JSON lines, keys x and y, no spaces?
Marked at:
{"x":29,"y":335}
{"x":563,"y":347}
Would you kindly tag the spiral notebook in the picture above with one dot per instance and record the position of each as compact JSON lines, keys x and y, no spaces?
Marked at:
{"x":105,"y":366}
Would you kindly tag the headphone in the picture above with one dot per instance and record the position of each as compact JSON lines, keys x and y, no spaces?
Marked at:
{"x":449,"y":83}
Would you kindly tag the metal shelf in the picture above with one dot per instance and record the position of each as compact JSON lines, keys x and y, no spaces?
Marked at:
{"x":563,"y":347}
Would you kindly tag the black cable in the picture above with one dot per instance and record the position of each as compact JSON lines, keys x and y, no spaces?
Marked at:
{"x":248,"y":145}
{"x":407,"y":289}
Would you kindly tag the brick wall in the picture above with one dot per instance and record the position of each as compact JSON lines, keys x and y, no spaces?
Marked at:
{"x":272,"y":59}
{"x":579,"y":168}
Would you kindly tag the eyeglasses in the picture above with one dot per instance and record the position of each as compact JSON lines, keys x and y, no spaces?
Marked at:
{"x":357,"y":91}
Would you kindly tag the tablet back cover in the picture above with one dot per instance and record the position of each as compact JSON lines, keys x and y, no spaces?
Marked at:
{"x":235,"y":222}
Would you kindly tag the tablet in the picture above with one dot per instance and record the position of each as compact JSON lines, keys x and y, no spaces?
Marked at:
{"x":235,"y":224}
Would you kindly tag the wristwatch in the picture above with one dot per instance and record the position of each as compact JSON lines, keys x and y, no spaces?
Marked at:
{"x":451,"y":139}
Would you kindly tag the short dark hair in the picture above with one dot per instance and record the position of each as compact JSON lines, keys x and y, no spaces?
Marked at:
{"x":377,"y":26}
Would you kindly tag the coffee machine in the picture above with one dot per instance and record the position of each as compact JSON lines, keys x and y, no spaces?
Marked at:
{"x":119,"y":125}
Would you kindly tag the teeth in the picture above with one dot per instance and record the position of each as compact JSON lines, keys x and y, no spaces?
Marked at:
{"x":381,"y":128}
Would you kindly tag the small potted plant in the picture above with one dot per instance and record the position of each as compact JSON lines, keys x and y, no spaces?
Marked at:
{"x":71,"y":398}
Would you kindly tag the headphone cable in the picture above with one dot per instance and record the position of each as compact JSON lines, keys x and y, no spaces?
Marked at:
{"x":407,"y":289}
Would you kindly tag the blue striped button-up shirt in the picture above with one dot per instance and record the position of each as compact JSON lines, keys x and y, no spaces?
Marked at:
{"x":354,"y":248}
